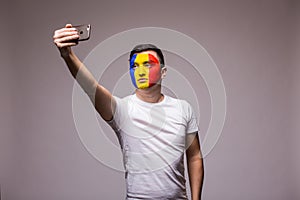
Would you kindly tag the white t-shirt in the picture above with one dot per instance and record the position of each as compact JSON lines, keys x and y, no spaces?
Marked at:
{"x":152,"y":138}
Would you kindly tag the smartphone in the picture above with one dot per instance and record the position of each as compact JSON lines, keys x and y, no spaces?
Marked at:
{"x":84,"y":31}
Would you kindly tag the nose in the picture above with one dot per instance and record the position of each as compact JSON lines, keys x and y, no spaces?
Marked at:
{"x":141,"y":71}
{"x":141,"y":74}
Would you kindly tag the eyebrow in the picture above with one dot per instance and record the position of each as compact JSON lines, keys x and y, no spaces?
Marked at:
{"x":145,"y":62}
{"x":150,"y":60}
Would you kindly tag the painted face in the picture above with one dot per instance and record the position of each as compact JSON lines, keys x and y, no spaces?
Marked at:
{"x":145,"y":70}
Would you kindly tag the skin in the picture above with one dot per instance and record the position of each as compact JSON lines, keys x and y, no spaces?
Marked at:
{"x":195,"y":165}
{"x":105,"y":103}
{"x":145,"y":70}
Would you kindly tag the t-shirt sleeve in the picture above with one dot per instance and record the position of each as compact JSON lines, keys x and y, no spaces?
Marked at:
{"x":192,"y":125}
{"x":117,"y":116}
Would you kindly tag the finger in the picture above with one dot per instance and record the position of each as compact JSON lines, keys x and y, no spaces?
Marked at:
{"x":65,"y":34}
{"x":65,"y":30}
{"x":69,"y":44}
{"x":66,"y":39}
{"x":68,"y":26}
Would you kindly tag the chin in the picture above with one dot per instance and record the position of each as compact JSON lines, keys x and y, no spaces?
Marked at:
{"x":143,"y":88}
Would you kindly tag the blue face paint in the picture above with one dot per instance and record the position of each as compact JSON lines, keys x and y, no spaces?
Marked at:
{"x":131,"y":68}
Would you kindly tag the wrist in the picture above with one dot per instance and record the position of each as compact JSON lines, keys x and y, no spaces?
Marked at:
{"x":66,"y":53}
{"x":196,"y":196}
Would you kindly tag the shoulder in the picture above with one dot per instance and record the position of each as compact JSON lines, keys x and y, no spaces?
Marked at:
{"x":180,"y":104}
{"x":184,"y":103}
{"x":122,"y":99}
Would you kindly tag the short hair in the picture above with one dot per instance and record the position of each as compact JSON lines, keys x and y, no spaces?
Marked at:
{"x":145,"y":47}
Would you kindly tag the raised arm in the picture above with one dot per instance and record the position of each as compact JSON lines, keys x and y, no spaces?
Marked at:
{"x":195,"y":165}
{"x":102,"y":99}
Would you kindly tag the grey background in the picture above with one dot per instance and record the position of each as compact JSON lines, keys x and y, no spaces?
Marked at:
{"x":255,"y":44}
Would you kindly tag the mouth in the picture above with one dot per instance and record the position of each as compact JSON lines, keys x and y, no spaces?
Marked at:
{"x":142,"y":80}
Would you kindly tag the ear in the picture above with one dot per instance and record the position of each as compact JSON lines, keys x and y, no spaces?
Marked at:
{"x":163,"y":72}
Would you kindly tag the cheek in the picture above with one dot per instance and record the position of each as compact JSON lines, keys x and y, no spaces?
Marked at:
{"x":154,"y":74}
{"x":133,"y":77}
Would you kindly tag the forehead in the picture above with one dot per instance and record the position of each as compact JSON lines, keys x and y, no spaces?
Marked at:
{"x":144,"y":54}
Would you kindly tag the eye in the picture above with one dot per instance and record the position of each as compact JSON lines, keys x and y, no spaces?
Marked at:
{"x":147,"y":64}
{"x":152,"y":63}
{"x":134,"y":66}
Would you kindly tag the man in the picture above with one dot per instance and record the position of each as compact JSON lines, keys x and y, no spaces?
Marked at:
{"x":154,"y":130}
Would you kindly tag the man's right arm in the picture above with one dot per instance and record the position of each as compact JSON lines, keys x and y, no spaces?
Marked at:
{"x":102,"y":99}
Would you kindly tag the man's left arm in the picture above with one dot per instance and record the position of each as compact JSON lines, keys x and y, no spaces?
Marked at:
{"x":195,"y":165}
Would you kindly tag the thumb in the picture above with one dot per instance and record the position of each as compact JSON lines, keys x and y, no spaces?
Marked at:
{"x":68,"y":26}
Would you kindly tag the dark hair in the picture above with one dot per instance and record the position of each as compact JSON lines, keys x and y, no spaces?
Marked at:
{"x":145,"y":47}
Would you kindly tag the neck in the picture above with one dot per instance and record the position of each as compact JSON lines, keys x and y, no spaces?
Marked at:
{"x":150,"y":95}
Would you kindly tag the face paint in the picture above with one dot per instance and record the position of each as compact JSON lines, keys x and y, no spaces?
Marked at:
{"x":145,"y":70}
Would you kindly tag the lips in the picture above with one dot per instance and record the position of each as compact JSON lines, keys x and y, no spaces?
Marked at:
{"x":142,"y":80}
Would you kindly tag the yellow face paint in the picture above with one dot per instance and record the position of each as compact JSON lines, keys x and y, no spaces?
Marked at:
{"x":141,"y":73}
